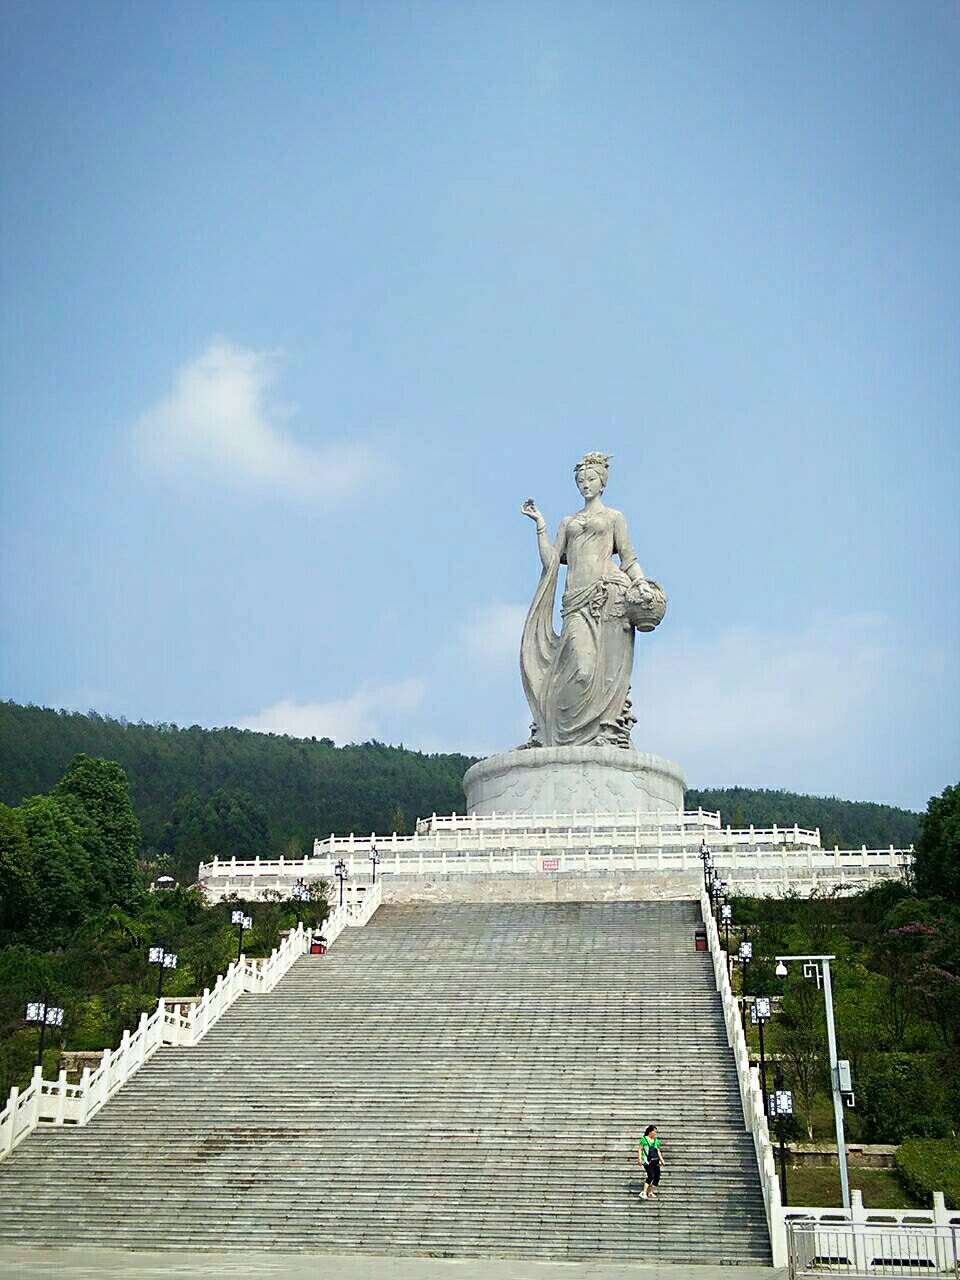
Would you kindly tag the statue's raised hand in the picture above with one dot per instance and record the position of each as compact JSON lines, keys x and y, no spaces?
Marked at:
{"x":529,"y":508}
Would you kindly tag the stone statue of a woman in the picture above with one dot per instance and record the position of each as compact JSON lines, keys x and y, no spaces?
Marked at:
{"x":578,"y":682}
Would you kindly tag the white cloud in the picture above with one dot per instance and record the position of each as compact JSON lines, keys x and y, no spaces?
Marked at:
{"x":215,"y":425}
{"x":493,"y":632}
{"x":794,"y":708}
{"x":357,"y":718}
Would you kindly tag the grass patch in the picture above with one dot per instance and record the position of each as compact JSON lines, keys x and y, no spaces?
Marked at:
{"x":819,"y":1186}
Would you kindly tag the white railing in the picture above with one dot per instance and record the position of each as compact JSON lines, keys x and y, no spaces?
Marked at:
{"x":750,"y":1094}
{"x":883,"y":1242}
{"x":57,"y":1102}
{"x":754,"y":870}
{"x":939,"y":1215}
{"x":670,"y":820}
{"x":584,"y":836}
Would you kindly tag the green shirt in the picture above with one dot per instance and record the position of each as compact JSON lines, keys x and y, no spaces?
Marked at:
{"x":648,"y":1145}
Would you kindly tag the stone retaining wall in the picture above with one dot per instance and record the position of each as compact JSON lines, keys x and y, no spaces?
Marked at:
{"x":546,"y":886}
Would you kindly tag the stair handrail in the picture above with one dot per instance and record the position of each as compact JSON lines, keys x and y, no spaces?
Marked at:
{"x":57,"y":1102}
{"x":751,"y":1096}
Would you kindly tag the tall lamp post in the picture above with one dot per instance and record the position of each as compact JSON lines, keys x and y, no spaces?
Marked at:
{"x":341,"y":872}
{"x":818,"y":968}
{"x":165,"y":960}
{"x":374,"y":860}
{"x":781,"y":1106}
{"x":726,"y":916}
{"x":242,"y":922}
{"x":744,"y":955}
{"x":47,"y":1015}
{"x":759,"y":1014}
{"x":301,"y":894}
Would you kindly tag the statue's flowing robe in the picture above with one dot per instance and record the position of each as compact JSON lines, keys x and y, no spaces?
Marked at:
{"x":577,"y":682}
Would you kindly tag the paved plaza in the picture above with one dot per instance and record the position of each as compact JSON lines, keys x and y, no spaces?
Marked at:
{"x":110,"y":1264}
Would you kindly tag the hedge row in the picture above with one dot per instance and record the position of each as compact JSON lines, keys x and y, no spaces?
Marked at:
{"x":931,"y":1164}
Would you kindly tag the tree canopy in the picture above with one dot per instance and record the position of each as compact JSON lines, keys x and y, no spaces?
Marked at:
{"x":937,"y":865}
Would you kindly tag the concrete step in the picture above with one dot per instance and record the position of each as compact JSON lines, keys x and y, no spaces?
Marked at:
{"x":458,"y":1081}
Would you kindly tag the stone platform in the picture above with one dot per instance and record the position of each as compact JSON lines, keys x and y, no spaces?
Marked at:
{"x":538,"y":780}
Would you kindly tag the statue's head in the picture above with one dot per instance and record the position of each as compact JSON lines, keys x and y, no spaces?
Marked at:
{"x":591,"y":473}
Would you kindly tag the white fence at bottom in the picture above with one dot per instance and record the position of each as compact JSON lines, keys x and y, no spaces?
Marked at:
{"x":879,"y":1243}
{"x":57,"y":1102}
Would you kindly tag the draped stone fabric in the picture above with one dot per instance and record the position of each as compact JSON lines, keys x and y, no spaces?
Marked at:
{"x":577,"y":682}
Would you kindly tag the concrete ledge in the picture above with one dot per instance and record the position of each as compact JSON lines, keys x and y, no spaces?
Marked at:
{"x":539,"y":780}
{"x":546,"y":886}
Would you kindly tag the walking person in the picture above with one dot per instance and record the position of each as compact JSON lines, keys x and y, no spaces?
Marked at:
{"x":651,"y":1157}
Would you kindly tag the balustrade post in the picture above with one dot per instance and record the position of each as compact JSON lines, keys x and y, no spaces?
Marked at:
{"x":37,"y":1099}
{"x":940,"y":1216}
{"x":61,"y":1097}
{"x":83,"y":1107}
{"x":12,"y":1103}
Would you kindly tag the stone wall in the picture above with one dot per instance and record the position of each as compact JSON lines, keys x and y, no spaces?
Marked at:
{"x":556,"y":886}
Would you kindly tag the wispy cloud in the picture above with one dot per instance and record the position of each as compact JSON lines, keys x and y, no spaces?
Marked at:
{"x":215,"y":424}
{"x":365,"y":714}
{"x":794,"y":708}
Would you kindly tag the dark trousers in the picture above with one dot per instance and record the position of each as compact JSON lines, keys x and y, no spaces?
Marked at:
{"x":652,"y":1172}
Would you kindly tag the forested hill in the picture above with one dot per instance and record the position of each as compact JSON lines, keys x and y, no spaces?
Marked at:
{"x":202,"y":791}
{"x":847,"y":823}
{"x":220,"y":790}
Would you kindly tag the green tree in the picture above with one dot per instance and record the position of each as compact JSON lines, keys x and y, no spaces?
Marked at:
{"x":937,"y":854}
{"x":97,"y":796}
{"x":61,"y":869}
{"x":236,"y":825}
{"x":902,"y":1095}
{"x":18,"y":888}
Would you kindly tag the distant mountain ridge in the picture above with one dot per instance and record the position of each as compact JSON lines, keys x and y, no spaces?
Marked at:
{"x":199,"y":791}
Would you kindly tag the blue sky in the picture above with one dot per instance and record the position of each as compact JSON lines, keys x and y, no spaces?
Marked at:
{"x":300,"y":301}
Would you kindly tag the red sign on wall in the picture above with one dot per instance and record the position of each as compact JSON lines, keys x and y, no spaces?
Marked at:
{"x":551,"y":864}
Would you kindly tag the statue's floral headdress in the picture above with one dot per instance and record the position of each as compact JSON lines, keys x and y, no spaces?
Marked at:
{"x":599,"y":460}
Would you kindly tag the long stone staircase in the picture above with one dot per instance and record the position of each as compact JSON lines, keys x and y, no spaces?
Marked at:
{"x":450,"y":1080}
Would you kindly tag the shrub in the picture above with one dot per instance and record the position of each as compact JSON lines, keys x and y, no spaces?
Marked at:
{"x":927,"y":1165}
{"x":902,"y":1096}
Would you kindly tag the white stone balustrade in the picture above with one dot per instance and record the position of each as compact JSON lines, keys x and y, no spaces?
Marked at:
{"x":751,"y":1096}
{"x":748,"y":869}
{"x":57,"y":1102}
{"x":690,"y":820}
{"x":539,"y":833}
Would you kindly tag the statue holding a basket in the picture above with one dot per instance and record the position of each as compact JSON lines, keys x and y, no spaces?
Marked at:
{"x":578,"y":682}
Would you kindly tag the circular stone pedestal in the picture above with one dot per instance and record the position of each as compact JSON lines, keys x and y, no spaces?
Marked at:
{"x":541,"y":780}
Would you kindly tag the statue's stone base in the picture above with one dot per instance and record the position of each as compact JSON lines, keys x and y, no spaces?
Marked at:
{"x":540,"y":780}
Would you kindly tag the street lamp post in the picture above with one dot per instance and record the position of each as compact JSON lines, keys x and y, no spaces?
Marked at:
{"x":374,"y":860}
{"x":726,"y":915}
{"x":164,"y":960}
{"x":341,"y":872}
{"x":47,"y":1015}
{"x":781,"y":1105}
{"x":242,"y":922}
{"x":759,"y":1014}
{"x":301,"y":894}
{"x":744,"y":955}
{"x":818,"y":968}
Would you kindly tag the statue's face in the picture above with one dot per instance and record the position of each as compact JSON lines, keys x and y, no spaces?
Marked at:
{"x":589,"y":482}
